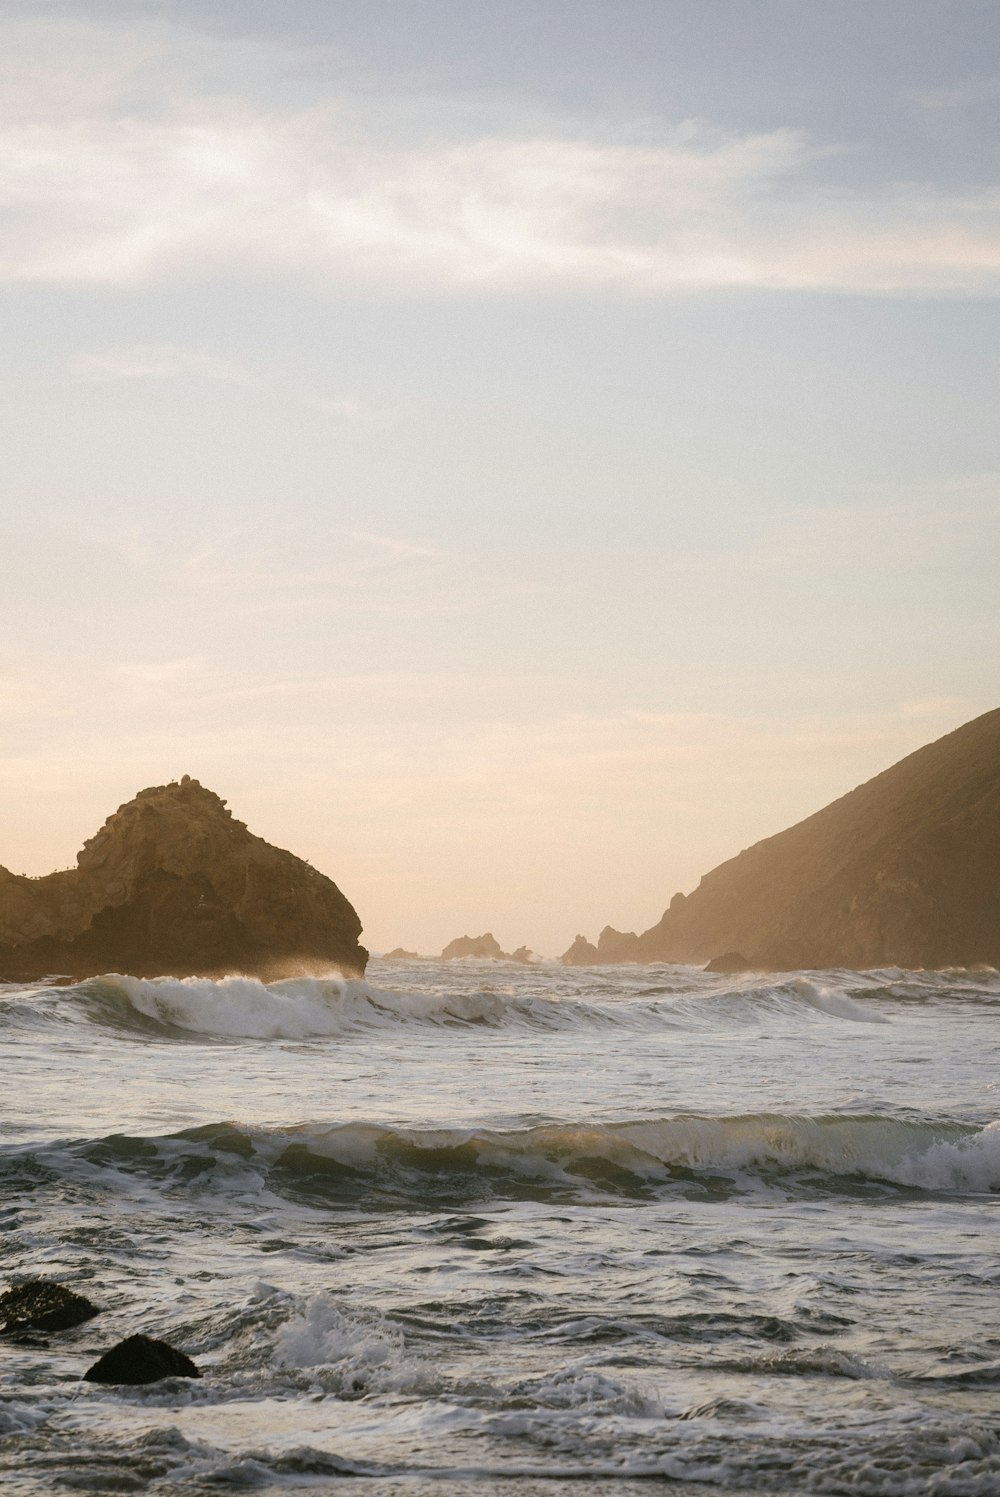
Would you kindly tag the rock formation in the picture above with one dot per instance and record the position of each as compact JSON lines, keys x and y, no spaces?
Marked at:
{"x":486,"y":945}
{"x":728,"y":962}
{"x":43,"y":1305}
{"x":903,"y":871}
{"x":613,"y":947}
{"x":400,"y":954}
{"x":616,"y":946}
{"x":581,"y":954}
{"x":173,"y":885}
{"x":140,"y":1359}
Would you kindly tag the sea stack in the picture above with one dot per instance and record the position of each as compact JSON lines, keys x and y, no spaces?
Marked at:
{"x":173,"y":885}
{"x":903,"y":871}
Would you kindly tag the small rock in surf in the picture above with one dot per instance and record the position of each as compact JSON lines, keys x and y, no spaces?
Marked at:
{"x":40,"y":1305}
{"x":729,"y":961}
{"x":140,"y":1359}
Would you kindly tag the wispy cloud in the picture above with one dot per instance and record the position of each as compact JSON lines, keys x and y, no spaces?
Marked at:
{"x":163,"y":361}
{"x":182,"y":181}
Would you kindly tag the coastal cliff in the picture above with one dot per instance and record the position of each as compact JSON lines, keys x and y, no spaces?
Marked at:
{"x":903,"y":871}
{"x":173,"y":885}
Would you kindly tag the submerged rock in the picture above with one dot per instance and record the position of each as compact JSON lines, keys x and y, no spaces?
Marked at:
{"x":173,"y":885}
{"x":140,"y":1359}
{"x":40,"y":1305}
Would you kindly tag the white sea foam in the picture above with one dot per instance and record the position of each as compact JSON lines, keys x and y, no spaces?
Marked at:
{"x":349,"y":1354}
{"x":315,"y":1007}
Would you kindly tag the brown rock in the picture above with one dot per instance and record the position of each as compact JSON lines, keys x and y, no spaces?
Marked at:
{"x":903,"y":871}
{"x":729,"y":961}
{"x":581,"y":954}
{"x":173,"y":885}
{"x":616,"y":946}
{"x":486,"y":945}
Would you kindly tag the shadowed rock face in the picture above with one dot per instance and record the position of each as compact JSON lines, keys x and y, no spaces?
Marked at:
{"x":173,"y":885}
{"x":140,"y":1359}
{"x":904,"y":871}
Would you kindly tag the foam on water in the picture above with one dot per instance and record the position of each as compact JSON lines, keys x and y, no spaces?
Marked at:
{"x":351,"y":1163}
{"x":235,"y":1008}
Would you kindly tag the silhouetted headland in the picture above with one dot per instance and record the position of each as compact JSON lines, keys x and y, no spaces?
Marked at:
{"x":903,"y":871}
{"x":172,"y":884}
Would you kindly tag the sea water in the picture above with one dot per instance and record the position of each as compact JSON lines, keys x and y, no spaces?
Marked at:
{"x":475,"y":1227}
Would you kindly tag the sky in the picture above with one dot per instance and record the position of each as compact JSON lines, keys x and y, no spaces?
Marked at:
{"x":517,"y":452}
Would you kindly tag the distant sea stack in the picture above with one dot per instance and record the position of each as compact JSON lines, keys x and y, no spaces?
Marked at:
{"x":485,"y":945}
{"x":173,"y":885}
{"x":904,"y":871}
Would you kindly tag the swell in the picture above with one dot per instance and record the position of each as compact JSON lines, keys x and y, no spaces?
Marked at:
{"x":365,"y":1165}
{"x":240,"y":1008}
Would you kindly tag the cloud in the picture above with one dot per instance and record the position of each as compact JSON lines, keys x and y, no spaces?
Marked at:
{"x":164,"y":361}
{"x":144,"y":175}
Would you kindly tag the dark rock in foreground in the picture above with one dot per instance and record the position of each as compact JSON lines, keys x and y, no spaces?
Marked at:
{"x":40,"y":1305}
{"x":903,"y":871}
{"x":140,"y":1359}
{"x":173,"y":885}
{"x":729,"y":961}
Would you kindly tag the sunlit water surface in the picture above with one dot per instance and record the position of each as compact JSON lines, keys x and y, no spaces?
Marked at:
{"x":472,"y":1227}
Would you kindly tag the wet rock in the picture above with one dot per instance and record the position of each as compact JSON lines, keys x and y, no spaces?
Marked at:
{"x":140,"y":1359}
{"x":40,"y":1305}
{"x":729,"y":961}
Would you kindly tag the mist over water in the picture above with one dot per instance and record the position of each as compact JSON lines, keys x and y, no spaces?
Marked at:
{"x":471,"y":1225}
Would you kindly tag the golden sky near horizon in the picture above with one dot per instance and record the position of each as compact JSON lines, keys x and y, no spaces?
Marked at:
{"x":518,"y":456}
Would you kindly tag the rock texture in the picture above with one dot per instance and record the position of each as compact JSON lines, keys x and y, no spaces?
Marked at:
{"x":42,"y":1305}
{"x":903,"y":871}
{"x":173,"y":885}
{"x":140,"y":1359}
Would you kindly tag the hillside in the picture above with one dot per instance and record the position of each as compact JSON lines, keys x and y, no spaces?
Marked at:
{"x":904,"y":871}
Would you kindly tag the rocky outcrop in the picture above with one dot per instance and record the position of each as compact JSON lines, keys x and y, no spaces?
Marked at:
{"x":486,"y":945}
{"x":617,"y":946}
{"x":581,"y":954}
{"x":729,"y":961}
{"x":400,"y":954}
{"x":903,"y":871}
{"x":138,"y":1360}
{"x":613,"y":947}
{"x":173,"y":885}
{"x":43,"y":1305}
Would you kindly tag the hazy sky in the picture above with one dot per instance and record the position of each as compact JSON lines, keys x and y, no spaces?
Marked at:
{"x":519,"y":452}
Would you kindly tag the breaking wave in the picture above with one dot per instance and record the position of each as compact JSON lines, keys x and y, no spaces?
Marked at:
{"x":366,"y":1165}
{"x":235,"y":1008}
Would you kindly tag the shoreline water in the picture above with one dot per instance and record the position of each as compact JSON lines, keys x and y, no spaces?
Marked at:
{"x":471,"y":1228}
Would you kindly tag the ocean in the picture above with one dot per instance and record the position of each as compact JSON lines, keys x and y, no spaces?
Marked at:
{"x":473,"y":1227}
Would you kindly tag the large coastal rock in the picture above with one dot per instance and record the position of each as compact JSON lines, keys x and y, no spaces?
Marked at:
{"x":904,"y":871}
{"x":482,"y":946}
{"x":173,"y":885}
